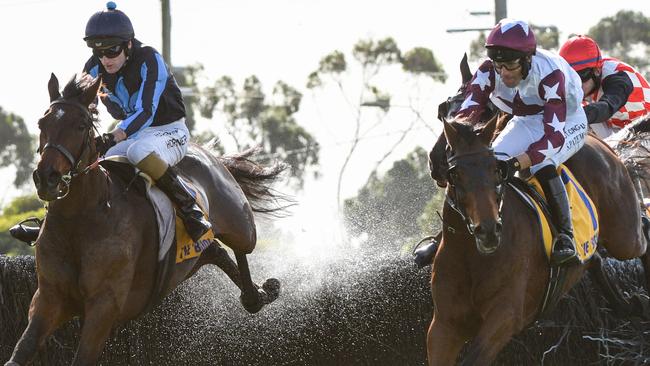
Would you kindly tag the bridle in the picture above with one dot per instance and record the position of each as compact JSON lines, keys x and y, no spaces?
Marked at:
{"x":453,"y":195}
{"x":75,"y":164}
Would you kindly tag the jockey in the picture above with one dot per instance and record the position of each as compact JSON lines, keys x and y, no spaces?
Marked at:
{"x":616,"y":93}
{"x":544,"y":96}
{"x":139,"y":91}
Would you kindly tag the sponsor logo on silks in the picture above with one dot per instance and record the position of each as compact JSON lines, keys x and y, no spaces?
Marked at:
{"x":201,"y":244}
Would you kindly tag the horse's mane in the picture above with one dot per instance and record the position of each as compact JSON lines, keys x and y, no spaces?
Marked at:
{"x":75,"y":87}
{"x":466,"y":129}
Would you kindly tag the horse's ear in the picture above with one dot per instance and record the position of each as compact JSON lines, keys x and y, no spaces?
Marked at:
{"x":53,"y":88}
{"x":90,"y":93}
{"x":450,"y":133}
{"x":487,"y":133}
{"x":464,"y":70}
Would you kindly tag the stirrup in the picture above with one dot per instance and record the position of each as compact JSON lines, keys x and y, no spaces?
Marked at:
{"x":25,"y":233}
{"x":195,"y":223}
{"x":564,"y":258}
{"x":423,"y":256}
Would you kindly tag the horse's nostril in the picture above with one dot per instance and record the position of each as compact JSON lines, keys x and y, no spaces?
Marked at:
{"x":53,"y":178}
{"x":498,"y":227}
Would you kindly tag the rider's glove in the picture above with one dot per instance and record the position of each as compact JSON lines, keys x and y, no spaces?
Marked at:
{"x":104,"y":142}
{"x":508,"y":168}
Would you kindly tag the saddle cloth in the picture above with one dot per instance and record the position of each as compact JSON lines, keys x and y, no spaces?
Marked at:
{"x":170,"y":226}
{"x":583,"y":214}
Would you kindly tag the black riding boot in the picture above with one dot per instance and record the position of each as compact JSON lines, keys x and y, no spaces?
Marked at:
{"x":423,"y":256}
{"x":195,"y":223}
{"x":563,"y":250}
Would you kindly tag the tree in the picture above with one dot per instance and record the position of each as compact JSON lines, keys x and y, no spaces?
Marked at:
{"x":625,"y":36}
{"x":16,"y":146}
{"x":373,"y":56}
{"x":393,"y":209}
{"x":251,"y":119}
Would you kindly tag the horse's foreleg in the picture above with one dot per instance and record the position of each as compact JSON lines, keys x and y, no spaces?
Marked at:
{"x":253,"y":298}
{"x":100,"y":315}
{"x":497,"y":329}
{"x":443,"y":343}
{"x":46,"y":313}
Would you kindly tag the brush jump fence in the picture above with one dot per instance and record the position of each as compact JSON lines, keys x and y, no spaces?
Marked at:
{"x":347,"y":314}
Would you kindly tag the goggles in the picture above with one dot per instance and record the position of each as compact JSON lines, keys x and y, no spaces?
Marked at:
{"x":508,"y":65}
{"x":109,"y":52}
{"x":586,"y":74}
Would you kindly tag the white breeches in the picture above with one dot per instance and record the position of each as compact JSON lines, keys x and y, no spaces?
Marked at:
{"x":522,"y":131}
{"x":169,"y":142}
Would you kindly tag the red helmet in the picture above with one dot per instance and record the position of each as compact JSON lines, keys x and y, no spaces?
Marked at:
{"x":513,"y":35}
{"x":581,"y":52}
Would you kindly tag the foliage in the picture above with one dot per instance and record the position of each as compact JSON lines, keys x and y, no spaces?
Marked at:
{"x":548,"y":37}
{"x":250,"y":118}
{"x":22,"y":204}
{"x":186,"y":77}
{"x":372,"y":57}
{"x":421,"y":60}
{"x":15,"y":211}
{"x":625,"y":36}
{"x":391,"y":209}
{"x":16,"y":146}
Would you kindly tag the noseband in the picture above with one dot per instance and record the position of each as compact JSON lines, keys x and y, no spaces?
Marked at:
{"x":453,"y":196}
{"x":75,"y":164}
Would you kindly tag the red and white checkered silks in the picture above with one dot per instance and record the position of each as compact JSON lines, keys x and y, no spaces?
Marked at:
{"x":638,"y":104}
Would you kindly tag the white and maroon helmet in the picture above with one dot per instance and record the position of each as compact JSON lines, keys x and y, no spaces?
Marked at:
{"x":510,"y":39}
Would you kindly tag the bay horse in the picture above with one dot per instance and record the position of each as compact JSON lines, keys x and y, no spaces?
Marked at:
{"x":488,"y":298}
{"x":97,"y":253}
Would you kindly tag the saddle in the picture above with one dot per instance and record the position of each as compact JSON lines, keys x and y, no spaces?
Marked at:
{"x":585,"y":226}
{"x":170,"y":225}
{"x":583,"y":212}
{"x":171,"y":230}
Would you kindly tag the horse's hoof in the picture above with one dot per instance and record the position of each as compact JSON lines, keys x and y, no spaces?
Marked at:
{"x":252,"y":301}
{"x":255,"y":301}
{"x":272,"y":289}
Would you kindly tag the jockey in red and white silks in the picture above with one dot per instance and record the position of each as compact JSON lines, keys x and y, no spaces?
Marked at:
{"x":615,"y":93}
{"x":549,"y":123}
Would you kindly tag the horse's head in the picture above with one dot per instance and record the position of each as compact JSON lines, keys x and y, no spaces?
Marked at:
{"x":446,"y":111}
{"x":475,"y":182}
{"x":66,"y":141}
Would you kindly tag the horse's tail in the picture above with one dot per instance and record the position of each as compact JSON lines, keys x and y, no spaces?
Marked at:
{"x":256,"y":180}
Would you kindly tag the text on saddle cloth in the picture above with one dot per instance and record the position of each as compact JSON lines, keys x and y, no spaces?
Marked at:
{"x":186,"y":248}
{"x":583,"y":213}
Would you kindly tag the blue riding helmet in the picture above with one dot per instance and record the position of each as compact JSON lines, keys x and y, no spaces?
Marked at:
{"x":108,"y":27}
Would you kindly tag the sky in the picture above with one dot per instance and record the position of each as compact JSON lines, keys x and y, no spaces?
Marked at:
{"x":278,"y":40}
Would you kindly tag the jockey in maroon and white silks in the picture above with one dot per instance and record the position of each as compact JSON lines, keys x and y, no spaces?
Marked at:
{"x":544,"y":94}
{"x":549,"y":123}
{"x":615,"y":93}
